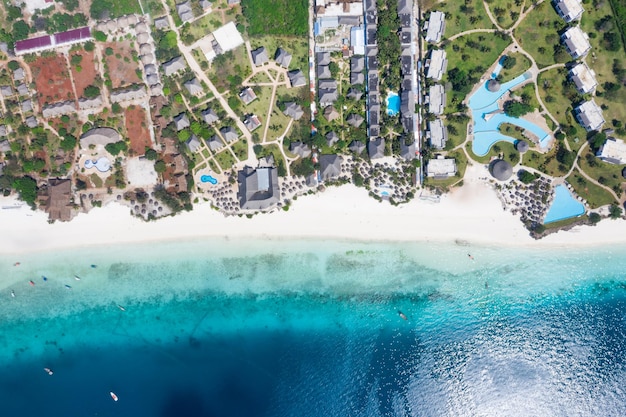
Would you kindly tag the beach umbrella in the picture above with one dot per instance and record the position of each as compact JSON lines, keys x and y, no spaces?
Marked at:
{"x":501,"y":170}
{"x":521,"y":146}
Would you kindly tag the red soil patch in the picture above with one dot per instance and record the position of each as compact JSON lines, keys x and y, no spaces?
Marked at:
{"x":121,"y":72}
{"x":87,"y":74}
{"x":52,"y":79}
{"x":137,"y":129}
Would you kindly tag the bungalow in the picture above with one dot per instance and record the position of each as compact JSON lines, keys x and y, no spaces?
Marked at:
{"x":209,"y":116}
{"x":408,"y":152}
{"x":294,"y":111}
{"x":437,"y":133}
{"x":90,"y":103}
{"x":435,"y":27}
{"x":357,"y":147}
{"x":355,"y":120}
{"x":296,"y":78}
{"x":3,"y":132}
{"x":405,"y":7}
{"x":589,"y":115}
{"x":576,"y":42}
{"x":215,"y":144}
{"x":323,"y":71}
{"x":6,"y":91}
{"x":437,"y":64}
{"x":376,"y":148}
{"x":184,"y":11}
{"x":58,"y":109}
{"x":181,"y":121}
{"x":584,"y":78}
{"x":247,"y":95}
{"x":193,"y":143}
{"x":174,"y":65}
{"x":569,"y":10}
{"x":331,"y":113}
{"x":327,"y":96}
{"x":357,"y":64}
{"x":331,"y":138}
{"x":322,"y":58}
{"x":252,"y":122}
{"x":58,"y":200}
{"x":31,"y":121}
{"x":194,"y":87}
{"x":436,"y":99}
{"x":127,"y":95}
{"x":229,"y":134}
{"x":613,"y":151}
{"x":258,"y":188}
{"x":161,"y":23}
{"x":354,"y":94}
{"x":282,"y":58}
{"x":22,"y":90}
{"x":259,"y":56}
{"x":18,"y":74}
{"x":300,"y":149}
{"x":441,"y":167}
{"x":357,"y":78}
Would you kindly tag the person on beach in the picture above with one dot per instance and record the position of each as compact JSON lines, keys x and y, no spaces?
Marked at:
{"x":12,"y":293}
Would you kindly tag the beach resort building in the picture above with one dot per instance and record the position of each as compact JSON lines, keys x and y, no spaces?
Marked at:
{"x":437,"y":134}
{"x":589,"y":115}
{"x":296,"y":78}
{"x":376,"y":148}
{"x":613,"y":151}
{"x":259,"y":56}
{"x":584,"y":78}
{"x":330,"y":167}
{"x":282,"y":58}
{"x":58,"y":200}
{"x":435,"y":26}
{"x":436,"y":99}
{"x":569,"y":10}
{"x":184,"y":11}
{"x":436,"y":64}
{"x":99,"y":136}
{"x":576,"y":42}
{"x":441,"y":167}
{"x":174,"y":65}
{"x":193,"y":143}
{"x":252,"y":122}
{"x":227,"y":37}
{"x":293,"y":110}
{"x":258,"y":188}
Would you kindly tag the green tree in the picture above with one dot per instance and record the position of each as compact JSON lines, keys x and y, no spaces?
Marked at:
{"x":13,"y":65}
{"x":27,"y":189}
{"x":594,"y":218}
{"x":91,"y":91}
{"x":159,"y":166}
{"x":89,"y":46}
{"x":21,"y":30}
{"x":615,"y":211}
{"x":100,"y":36}
{"x":509,"y":62}
{"x":526,"y":177}
{"x":151,"y":154}
{"x":68,"y":143}
{"x":76,"y":59}
{"x":516,"y":109}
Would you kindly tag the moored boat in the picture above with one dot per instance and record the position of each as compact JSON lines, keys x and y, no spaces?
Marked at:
{"x":113,"y":396}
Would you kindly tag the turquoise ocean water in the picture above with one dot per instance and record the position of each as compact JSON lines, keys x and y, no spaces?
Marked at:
{"x":311,"y":328}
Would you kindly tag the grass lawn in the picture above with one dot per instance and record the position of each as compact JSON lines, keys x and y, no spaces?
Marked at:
{"x":259,"y":77}
{"x":225,"y":159}
{"x":505,"y":149}
{"x":513,"y":131}
{"x":522,"y":64}
{"x":297,"y":46}
{"x":566,"y":222}
{"x":276,"y":17}
{"x":191,"y":32}
{"x":214,"y":166}
{"x":602,"y":60}
{"x":231,"y":63}
{"x":462,"y":54}
{"x":461,"y":165}
{"x":463,"y":15}
{"x":544,"y":162}
{"x":506,"y":12}
{"x":529,"y":90}
{"x":538,"y":34}
{"x":260,"y":106}
{"x":275,"y":151}
{"x":241,"y":149}
{"x":595,"y":196}
{"x":552,"y":94}
{"x":457,"y":131}
{"x":607,"y":174}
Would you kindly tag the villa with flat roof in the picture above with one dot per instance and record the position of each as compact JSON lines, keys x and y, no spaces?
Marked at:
{"x":613,"y":151}
{"x":441,"y":167}
{"x":437,"y":64}
{"x":437,"y":133}
{"x":589,"y":115}
{"x":436,"y":99}
{"x":569,"y":10}
{"x":584,"y":78}
{"x":576,"y":42}
{"x":435,"y":27}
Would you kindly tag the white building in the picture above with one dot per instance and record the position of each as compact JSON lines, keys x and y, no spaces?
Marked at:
{"x":441,"y":167}
{"x":584,"y":78}
{"x":576,"y":42}
{"x":589,"y":115}
{"x":436,"y":99}
{"x":569,"y":9}
{"x":357,"y":40}
{"x":613,"y":151}
{"x":228,"y":37}
{"x":437,"y":134}
{"x":435,"y":27}
{"x":437,"y":64}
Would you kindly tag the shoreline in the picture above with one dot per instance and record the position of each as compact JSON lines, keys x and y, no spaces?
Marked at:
{"x":472,"y":214}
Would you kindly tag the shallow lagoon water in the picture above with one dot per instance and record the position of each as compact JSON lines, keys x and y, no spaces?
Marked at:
{"x":283,"y":328}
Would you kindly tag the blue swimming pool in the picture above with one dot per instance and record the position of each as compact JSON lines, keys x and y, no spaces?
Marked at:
{"x":564,"y":206}
{"x":498,"y":68}
{"x":393,"y":104}
{"x":488,"y":117}
{"x":208,"y":178}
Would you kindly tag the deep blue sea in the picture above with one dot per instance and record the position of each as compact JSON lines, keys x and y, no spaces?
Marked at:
{"x":312,"y":328}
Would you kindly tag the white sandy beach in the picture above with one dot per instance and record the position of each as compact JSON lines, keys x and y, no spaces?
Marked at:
{"x":472,"y":213}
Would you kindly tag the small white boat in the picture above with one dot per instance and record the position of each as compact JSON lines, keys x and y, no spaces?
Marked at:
{"x":113,"y":396}
{"x":48,"y":370}
{"x":402,"y":315}
{"x":121,"y":307}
